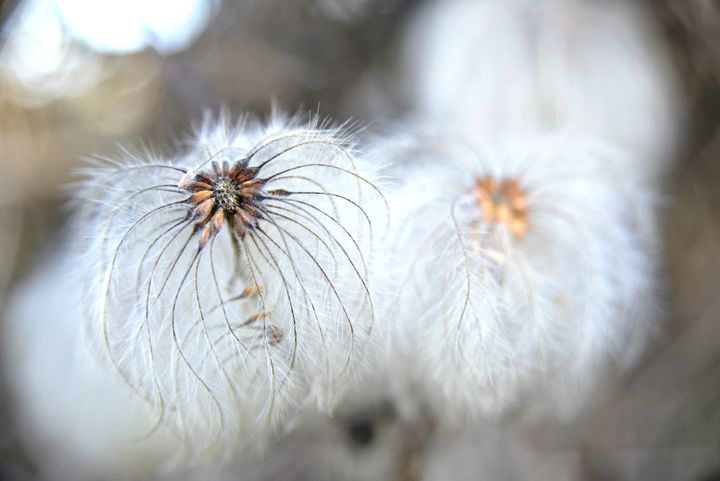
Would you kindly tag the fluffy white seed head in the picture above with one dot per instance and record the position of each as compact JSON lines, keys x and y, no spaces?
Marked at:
{"x":524,"y":272}
{"x":229,"y":286}
{"x":500,"y":68}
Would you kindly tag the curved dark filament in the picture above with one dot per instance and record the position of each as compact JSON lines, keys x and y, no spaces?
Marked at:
{"x":138,"y":274}
{"x":305,"y":214}
{"x":157,"y":263}
{"x":175,"y":261}
{"x":255,"y":150}
{"x":146,"y":322}
{"x":493,"y":306}
{"x":507,"y":249}
{"x":211,"y":345}
{"x":336,"y":167}
{"x":271,"y":364}
{"x":286,"y":199}
{"x":181,"y":352}
{"x":146,"y":319}
{"x":291,"y":204}
{"x":344,"y":251}
{"x":468,"y":300}
{"x":316,"y":184}
{"x":176,"y":223}
{"x":286,"y":288}
{"x":330,"y":284}
{"x":114,"y":212}
{"x":298,"y":134}
{"x":298,"y":276}
{"x":224,"y":302}
{"x":364,"y":213}
{"x":217,"y":290}
{"x":97,"y":182}
{"x":343,"y":152}
{"x":107,"y":281}
{"x":277,"y":267}
{"x":333,"y":146}
{"x":284,"y":151}
{"x":314,"y":234}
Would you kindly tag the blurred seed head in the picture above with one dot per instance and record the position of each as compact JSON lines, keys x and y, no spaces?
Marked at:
{"x":518,"y":272}
{"x":518,"y":67}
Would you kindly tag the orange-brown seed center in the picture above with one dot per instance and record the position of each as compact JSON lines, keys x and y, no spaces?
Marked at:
{"x":503,"y":202}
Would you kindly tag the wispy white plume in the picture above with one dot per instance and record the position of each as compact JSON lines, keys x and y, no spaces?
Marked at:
{"x":525,"y":271}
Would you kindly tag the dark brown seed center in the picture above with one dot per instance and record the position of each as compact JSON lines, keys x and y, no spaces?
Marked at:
{"x":227,"y":195}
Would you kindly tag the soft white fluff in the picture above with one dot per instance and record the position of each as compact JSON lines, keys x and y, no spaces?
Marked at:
{"x":485,"y":322}
{"x":162,"y":316}
{"x":499,"y":68}
{"x":75,"y":419}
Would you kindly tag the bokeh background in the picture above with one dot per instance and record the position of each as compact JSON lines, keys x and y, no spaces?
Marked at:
{"x":80,"y":77}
